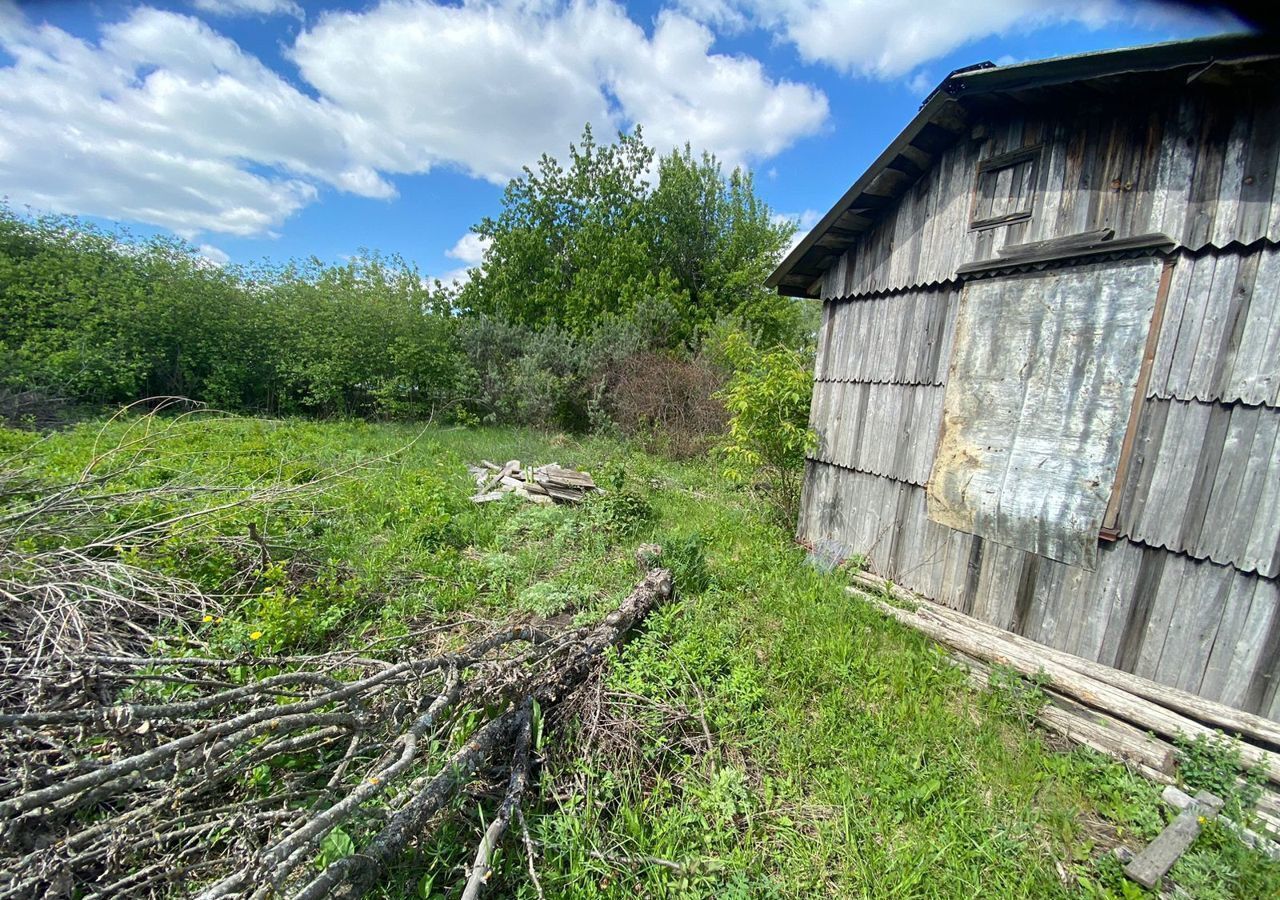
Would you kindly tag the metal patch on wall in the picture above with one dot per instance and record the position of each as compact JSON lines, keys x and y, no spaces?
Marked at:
{"x":1042,"y":378}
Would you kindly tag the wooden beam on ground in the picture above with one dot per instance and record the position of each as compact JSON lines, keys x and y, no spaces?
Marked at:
{"x":1109,"y":736}
{"x":1247,"y":725}
{"x":963,"y":636}
{"x":1149,"y":866}
{"x":1180,"y":800}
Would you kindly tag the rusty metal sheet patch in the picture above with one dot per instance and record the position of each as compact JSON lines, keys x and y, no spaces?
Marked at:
{"x":1042,"y":378}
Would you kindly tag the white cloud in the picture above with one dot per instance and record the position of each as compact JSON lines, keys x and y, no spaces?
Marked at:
{"x":921,"y":83}
{"x":804,"y":222}
{"x":889,"y":38}
{"x":163,"y":120}
{"x":166,"y":122}
{"x":682,"y":92}
{"x":469,"y":250}
{"x":214,"y":255}
{"x":488,"y":87}
{"x":249,"y":7}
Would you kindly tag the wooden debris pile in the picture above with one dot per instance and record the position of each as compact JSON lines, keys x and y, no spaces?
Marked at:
{"x":311,"y":779}
{"x":547,"y":484}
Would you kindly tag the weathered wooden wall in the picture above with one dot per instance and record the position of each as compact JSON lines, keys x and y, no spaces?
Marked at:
{"x":1187,"y":593}
{"x":1197,"y":167}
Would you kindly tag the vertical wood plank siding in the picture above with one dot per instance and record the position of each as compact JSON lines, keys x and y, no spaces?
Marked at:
{"x":1206,"y":482}
{"x":1194,"y":167}
{"x":1224,"y":342}
{"x":1122,"y":613}
{"x":1188,"y":593}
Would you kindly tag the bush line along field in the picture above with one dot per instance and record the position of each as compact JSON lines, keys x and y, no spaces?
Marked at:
{"x":764,"y":735}
{"x":602,"y":299}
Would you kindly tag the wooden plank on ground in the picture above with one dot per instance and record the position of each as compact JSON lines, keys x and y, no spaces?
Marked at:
{"x":1149,"y":866}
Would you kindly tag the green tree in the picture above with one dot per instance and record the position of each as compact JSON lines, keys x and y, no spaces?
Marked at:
{"x":365,"y":337}
{"x":573,"y":245}
{"x":567,"y":245}
{"x":103,"y":318}
{"x":719,"y":241}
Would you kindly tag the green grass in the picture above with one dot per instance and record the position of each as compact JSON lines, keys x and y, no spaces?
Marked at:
{"x":847,"y":757}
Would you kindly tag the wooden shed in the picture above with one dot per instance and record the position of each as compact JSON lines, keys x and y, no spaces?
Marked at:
{"x":1047,"y":388}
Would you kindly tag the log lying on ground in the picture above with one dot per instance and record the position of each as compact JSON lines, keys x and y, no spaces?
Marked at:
{"x":1243,"y":724}
{"x":964,"y":635}
{"x":1147,"y":754}
{"x":1079,"y":723}
{"x":107,"y":795}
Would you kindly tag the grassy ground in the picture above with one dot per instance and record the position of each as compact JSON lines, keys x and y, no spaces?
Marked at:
{"x":766,"y":736}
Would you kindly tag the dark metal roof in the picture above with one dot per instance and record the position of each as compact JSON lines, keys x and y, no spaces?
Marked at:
{"x":967,"y":93}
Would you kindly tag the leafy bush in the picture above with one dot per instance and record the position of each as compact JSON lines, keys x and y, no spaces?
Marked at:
{"x":104,"y":318}
{"x":551,"y":378}
{"x":1213,"y":764}
{"x":595,"y":294}
{"x":620,"y":513}
{"x":768,"y":399}
{"x":685,"y":556}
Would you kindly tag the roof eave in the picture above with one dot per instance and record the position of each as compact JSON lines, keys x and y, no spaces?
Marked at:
{"x":932,"y":107}
{"x":944,"y":105}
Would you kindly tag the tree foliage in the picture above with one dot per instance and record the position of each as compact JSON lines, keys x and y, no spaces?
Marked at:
{"x":587,"y":264}
{"x":103,"y":318}
{"x":594,"y":239}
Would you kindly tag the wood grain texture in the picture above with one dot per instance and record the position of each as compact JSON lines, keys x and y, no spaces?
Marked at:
{"x":1151,"y":865}
{"x":1209,"y":629}
{"x":1189,"y":593}
{"x":1221,"y":339}
{"x":1200,"y":167}
{"x":1205,"y":480}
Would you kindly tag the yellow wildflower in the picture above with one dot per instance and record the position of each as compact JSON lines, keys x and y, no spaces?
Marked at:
{"x":207,"y":618}
{"x":255,"y":635}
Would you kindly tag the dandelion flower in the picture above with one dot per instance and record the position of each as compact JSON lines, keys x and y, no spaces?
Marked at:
{"x":255,"y":635}
{"x":207,"y":619}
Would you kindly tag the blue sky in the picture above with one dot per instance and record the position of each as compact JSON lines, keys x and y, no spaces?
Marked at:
{"x":274,"y":128}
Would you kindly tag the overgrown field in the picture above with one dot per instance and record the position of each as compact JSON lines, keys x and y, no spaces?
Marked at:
{"x":765,"y":735}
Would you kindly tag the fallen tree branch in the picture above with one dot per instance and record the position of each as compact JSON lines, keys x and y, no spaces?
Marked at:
{"x":481,"y":868}
{"x":243,"y":790}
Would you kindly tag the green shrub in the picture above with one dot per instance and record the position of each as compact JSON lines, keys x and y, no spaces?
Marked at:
{"x":1212,"y":763}
{"x":768,"y":398}
{"x":620,"y":513}
{"x":685,"y":556}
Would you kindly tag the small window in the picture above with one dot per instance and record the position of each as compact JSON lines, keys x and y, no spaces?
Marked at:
{"x":1005,"y":188}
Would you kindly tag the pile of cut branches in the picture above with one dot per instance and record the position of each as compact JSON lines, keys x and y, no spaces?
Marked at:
{"x":137,"y":762}
{"x":299,"y":776}
{"x":72,"y":576}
